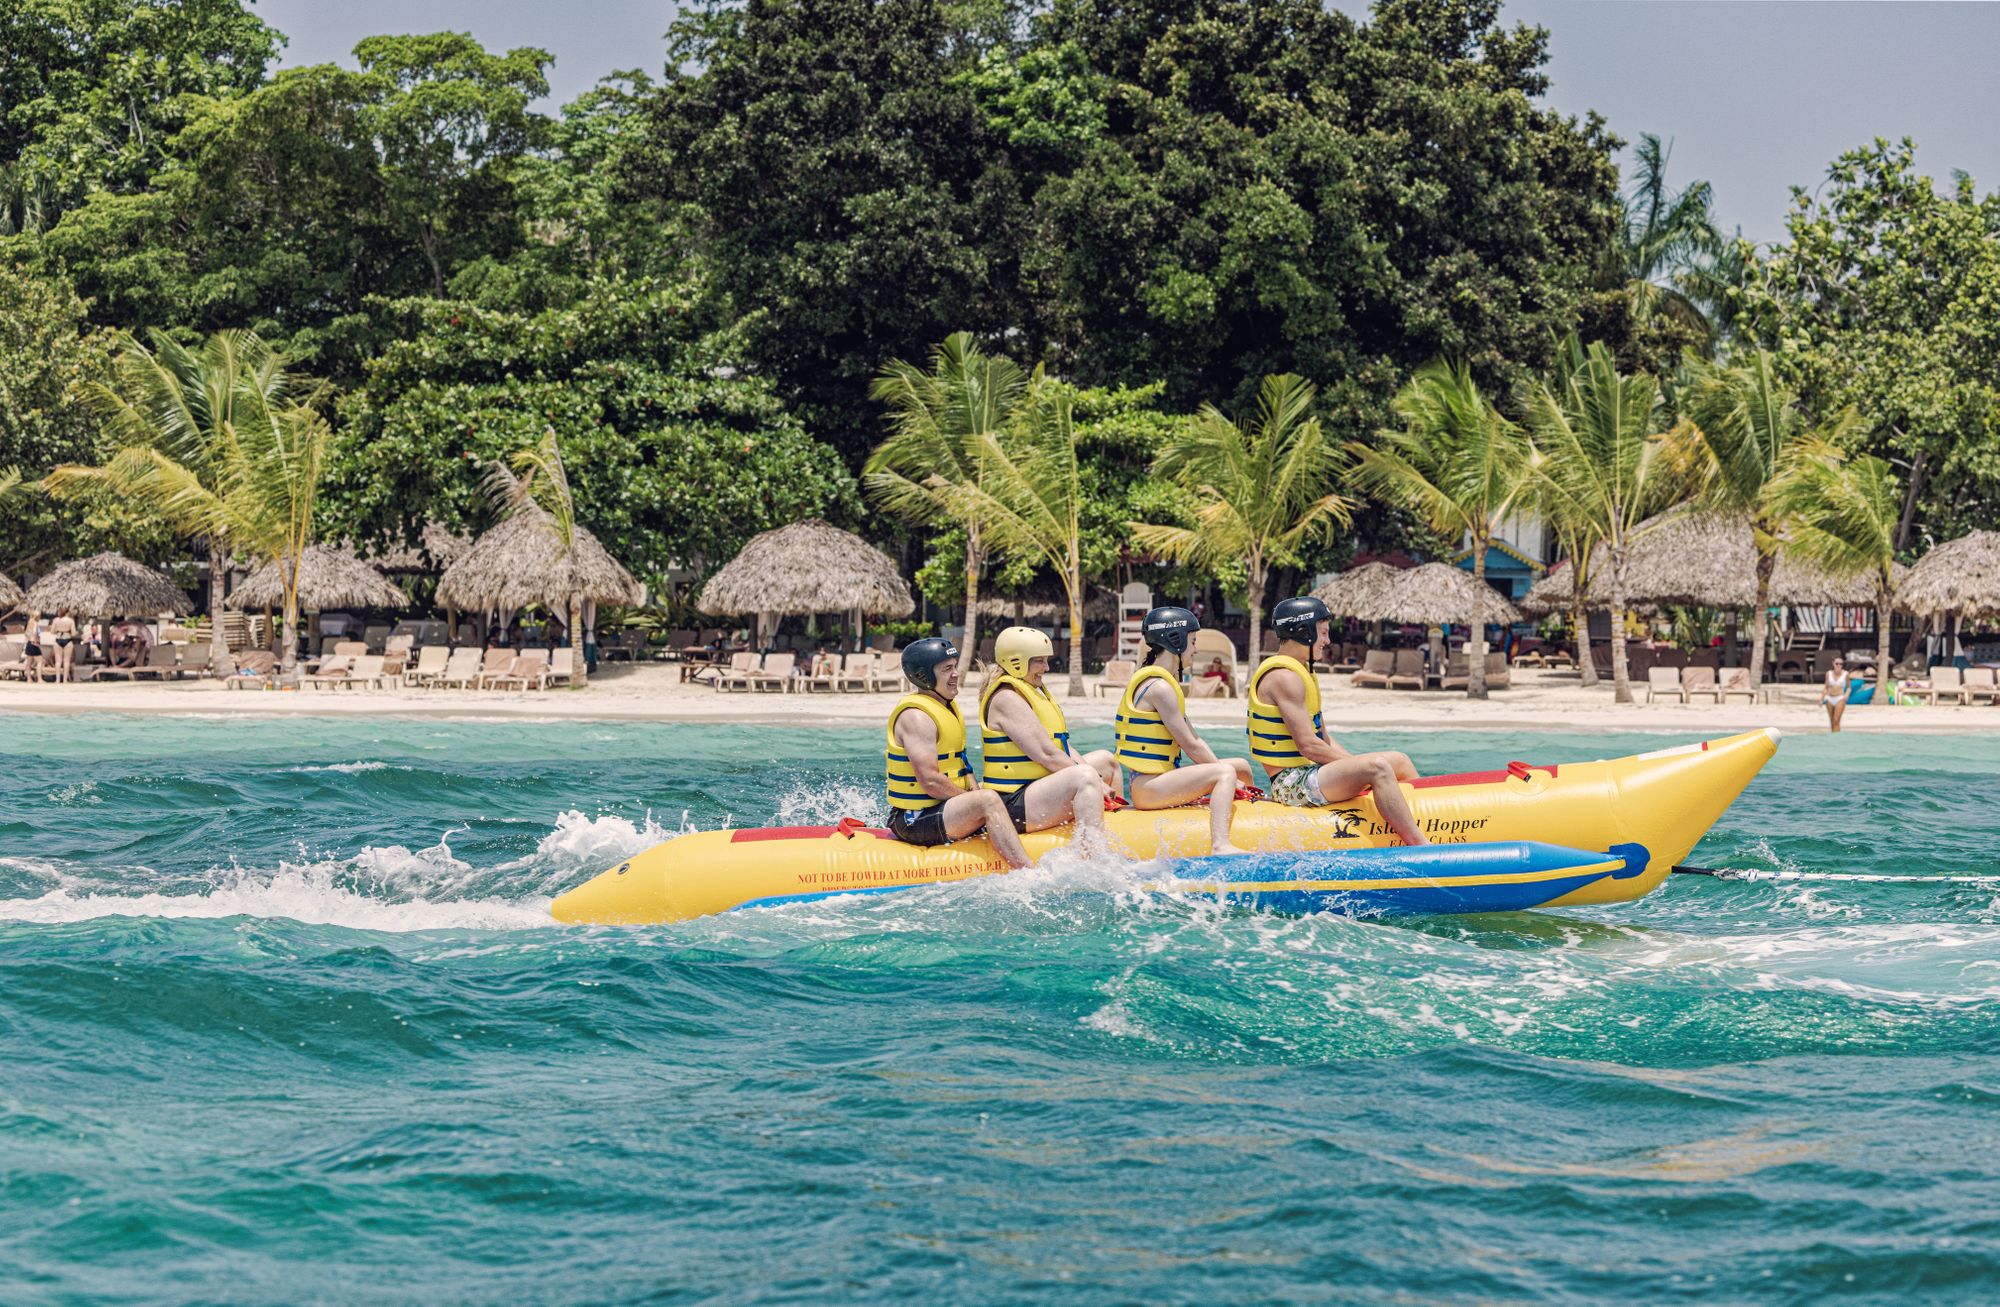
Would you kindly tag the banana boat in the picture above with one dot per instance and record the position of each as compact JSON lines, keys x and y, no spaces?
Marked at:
{"x":1529,"y":835}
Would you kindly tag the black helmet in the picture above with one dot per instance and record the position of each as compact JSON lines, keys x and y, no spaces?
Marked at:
{"x":1296,"y":619}
{"x":921,"y":659}
{"x":1170,"y":629}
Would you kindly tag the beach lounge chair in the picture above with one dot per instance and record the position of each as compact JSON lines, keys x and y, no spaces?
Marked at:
{"x":13,"y":658}
{"x":1735,"y":680}
{"x":1376,"y":665}
{"x":1499,"y":676}
{"x":333,"y":669}
{"x":888,"y":671}
{"x":776,"y":674}
{"x":430,"y":664}
{"x":529,"y":670}
{"x":461,"y":668}
{"x":370,"y":670}
{"x":253,"y":669}
{"x":1349,"y":658}
{"x":497,"y":661}
{"x":163,"y":663}
{"x":1457,"y":672}
{"x":1981,"y":683}
{"x":825,"y":677}
{"x":1116,"y":673}
{"x":741,"y":665}
{"x":1209,"y":645}
{"x":1699,"y":681}
{"x":1664,"y":682}
{"x":1408,"y":671}
{"x":856,"y":669}
{"x":1945,"y":680}
{"x":562,"y":666}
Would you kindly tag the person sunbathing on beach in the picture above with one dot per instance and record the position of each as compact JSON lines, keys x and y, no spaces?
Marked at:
{"x":1307,"y":766}
{"x":933,"y":795}
{"x":1153,"y":734}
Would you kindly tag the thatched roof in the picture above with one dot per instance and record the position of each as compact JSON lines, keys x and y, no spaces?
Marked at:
{"x":107,"y":585}
{"x":329,"y":577}
{"x":10,"y":594}
{"x":1960,"y":576}
{"x":1699,"y":559}
{"x":521,"y":561}
{"x":1362,"y":591}
{"x":437,"y":548}
{"x":1044,"y":602}
{"x":808,"y":567}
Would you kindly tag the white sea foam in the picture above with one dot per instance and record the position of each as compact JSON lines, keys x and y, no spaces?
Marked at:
{"x":295,"y":894}
{"x":352,"y":768}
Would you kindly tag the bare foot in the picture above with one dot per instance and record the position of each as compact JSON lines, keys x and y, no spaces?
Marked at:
{"x":1227,"y":851}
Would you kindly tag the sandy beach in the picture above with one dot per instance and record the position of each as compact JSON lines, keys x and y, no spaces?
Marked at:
{"x":1538,"y":700}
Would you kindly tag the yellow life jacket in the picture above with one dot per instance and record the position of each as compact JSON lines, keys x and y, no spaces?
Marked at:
{"x":1143,"y":743}
{"x":905,"y":791}
{"x":1271,"y":742}
{"x":1007,"y":767}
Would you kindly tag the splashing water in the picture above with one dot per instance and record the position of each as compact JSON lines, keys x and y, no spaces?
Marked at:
{"x":290,"y":1001}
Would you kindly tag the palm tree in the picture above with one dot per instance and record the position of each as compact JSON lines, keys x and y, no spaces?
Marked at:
{"x":538,"y":477}
{"x":1263,"y":487}
{"x":226,"y":463}
{"x":1028,"y":494}
{"x":1457,"y":464}
{"x":1746,"y":431}
{"x":189,"y":408}
{"x":1842,"y":516}
{"x":1669,"y":255}
{"x":938,"y":419}
{"x":1604,"y":465}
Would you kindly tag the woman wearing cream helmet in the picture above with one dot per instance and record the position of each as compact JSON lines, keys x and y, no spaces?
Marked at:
{"x":1024,"y":742}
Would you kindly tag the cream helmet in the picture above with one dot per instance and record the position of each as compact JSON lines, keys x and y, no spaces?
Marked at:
{"x":1016,"y":645}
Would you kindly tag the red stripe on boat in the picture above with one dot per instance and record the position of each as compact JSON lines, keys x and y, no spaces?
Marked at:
{"x":1473,"y":777}
{"x":751,"y":835}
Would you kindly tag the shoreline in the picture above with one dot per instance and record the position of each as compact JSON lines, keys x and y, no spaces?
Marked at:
{"x":1538,"y":701}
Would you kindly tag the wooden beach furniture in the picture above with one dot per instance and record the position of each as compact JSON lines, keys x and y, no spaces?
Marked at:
{"x":1457,"y":672}
{"x":1407,"y":673}
{"x":1375,"y":668}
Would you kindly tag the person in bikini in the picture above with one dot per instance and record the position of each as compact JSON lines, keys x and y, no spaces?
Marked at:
{"x":63,"y":628}
{"x":933,"y":795}
{"x":1025,"y":751}
{"x":1153,"y":734}
{"x":1307,"y":766}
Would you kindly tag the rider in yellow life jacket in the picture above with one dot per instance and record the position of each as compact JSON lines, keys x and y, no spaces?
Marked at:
{"x":933,"y":797}
{"x":1025,"y":750}
{"x":1154,"y":734}
{"x":1308,"y":769}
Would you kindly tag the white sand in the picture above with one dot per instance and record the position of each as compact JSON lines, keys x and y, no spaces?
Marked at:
{"x":653,"y":692}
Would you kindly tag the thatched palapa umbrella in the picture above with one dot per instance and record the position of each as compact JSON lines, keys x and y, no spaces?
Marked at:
{"x":107,"y":585}
{"x":523,"y":561}
{"x":807,"y":567}
{"x":1363,"y":591}
{"x":1960,"y":577}
{"x":1047,"y":604}
{"x":10,"y":594}
{"x":1429,"y":595}
{"x":329,"y":577}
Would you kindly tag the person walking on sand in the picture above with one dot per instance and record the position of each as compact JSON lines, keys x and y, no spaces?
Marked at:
{"x":1833,"y":695}
{"x":1153,"y":734}
{"x":1024,"y":743}
{"x":933,"y":797}
{"x":1307,"y":766}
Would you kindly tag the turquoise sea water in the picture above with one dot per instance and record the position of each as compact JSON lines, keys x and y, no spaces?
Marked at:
{"x":284,"y":1020}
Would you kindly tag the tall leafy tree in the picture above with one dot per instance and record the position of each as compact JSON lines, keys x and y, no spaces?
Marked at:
{"x":221,"y":444}
{"x":1605,"y":466}
{"x":1843,"y":513}
{"x":1262,"y":488}
{"x":1746,"y":430}
{"x":1458,"y":465}
{"x":1029,"y":495}
{"x":1880,"y":300}
{"x":939,"y":420}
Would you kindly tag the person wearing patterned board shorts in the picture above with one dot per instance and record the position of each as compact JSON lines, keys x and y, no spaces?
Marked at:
{"x":1307,"y":766}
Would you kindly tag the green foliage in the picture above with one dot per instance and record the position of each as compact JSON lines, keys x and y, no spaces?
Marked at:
{"x":1885,"y":299}
{"x":49,"y":357}
{"x":1044,"y":102}
{"x":675,"y":456}
{"x":91,"y":91}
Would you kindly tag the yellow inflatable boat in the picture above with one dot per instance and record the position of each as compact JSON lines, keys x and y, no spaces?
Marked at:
{"x":1625,"y":822}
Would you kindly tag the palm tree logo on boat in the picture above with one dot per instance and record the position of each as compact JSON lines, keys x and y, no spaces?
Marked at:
{"x":1346,"y":824}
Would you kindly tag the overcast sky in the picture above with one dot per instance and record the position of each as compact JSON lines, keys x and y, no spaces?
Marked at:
{"x":1755,"y":97}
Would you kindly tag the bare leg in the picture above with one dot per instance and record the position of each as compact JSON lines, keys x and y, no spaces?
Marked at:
{"x":1105,"y":764}
{"x":1186,"y":784}
{"x":1073,"y":794}
{"x":977,"y":810}
{"x":1377,"y":771}
{"x":1837,"y":711}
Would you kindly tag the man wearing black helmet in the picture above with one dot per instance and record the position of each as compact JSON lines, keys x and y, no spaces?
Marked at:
{"x":1153,"y":734}
{"x":1288,"y":735}
{"x":933,"y":796}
